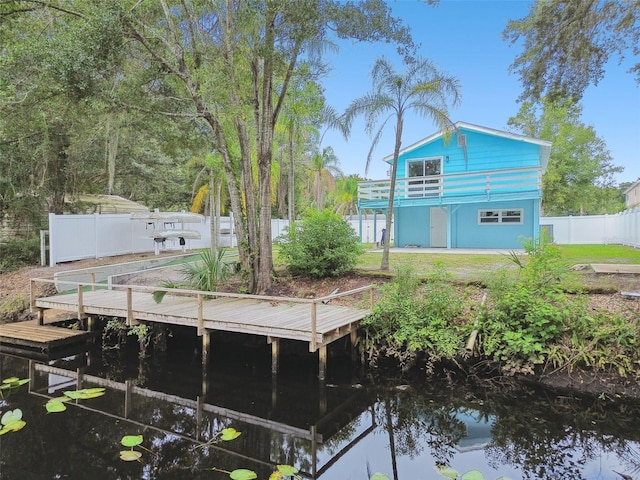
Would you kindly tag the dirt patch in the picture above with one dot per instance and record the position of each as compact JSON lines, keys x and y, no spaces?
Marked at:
{"x":603,"y":383}
{"x":15,"y":287}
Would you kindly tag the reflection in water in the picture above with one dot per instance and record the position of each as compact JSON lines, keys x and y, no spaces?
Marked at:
{"x":327,"y":431}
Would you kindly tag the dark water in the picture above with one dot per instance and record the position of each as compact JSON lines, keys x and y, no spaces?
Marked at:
{"x":332,"y":431}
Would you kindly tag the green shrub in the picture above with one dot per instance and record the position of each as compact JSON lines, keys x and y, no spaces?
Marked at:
{"x":17,"y":253}
{"x":209,"y":272}
{"x":528,"y":314}
{"x":206,"y":274}
{"x":600,"y":340}
{"x":320,"y":245}
{"x":12,"y":308}
{"x":413,"y":317}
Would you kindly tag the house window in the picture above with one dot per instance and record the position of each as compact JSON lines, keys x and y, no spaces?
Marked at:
{"x":500,"y":216}
{"x":424,"y":168}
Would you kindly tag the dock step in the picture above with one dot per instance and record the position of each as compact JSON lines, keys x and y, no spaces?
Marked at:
{"x":631,"y":295}
{"x":41,"y":337}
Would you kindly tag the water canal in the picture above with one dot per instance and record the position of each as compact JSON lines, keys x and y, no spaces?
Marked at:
{"x":345,"y":429}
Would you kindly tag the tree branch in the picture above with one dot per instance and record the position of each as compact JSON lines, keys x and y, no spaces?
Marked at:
{"x":41,"y":3}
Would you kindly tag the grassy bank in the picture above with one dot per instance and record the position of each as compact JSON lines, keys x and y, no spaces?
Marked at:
{"x":536,"y":318}
{"x":476,"y":267}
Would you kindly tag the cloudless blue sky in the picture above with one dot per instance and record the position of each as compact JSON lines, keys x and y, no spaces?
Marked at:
{"x":464,"y":39}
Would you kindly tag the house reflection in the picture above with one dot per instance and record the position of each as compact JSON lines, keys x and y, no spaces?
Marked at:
{"x":478,"y":429}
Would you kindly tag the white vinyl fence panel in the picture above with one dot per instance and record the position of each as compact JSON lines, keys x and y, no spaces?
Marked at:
{"x":621,"y":228}
{"x":75,"y":237}
{"x":630,"y":225}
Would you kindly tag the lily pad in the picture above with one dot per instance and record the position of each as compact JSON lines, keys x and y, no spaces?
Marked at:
{"x":85,"y":393}
{"x":11,"y":416}
{"x":13,"y":427}
{"x":228,"y":434}
{"x":12,"y":421}
{"x":379,"y":476}
{"x":243,"y":474}
{"x":130,"y":455}
{"x":13,"y":382}
{"x":447,"y":472}
{"x":55,"y":406}
{"x":287,"y":470}
{"x":131,"y":440}
{"x":473,"y":475}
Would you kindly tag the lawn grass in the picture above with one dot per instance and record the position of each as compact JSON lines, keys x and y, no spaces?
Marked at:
{"x":584,"y":254}
{"x":470,"y":266}
{"x":475,"y":267}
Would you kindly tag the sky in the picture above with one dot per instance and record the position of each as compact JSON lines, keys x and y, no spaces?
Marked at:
{"x":464,"y":39}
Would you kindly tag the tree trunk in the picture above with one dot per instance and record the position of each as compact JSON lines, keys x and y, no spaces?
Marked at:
{"x":392,"y":188}
{"x":265,"y":122}
{"x":292,"y":188}
{"x":214,"y":213}
{"x":112,"y":152}
{"x":57,"y":169}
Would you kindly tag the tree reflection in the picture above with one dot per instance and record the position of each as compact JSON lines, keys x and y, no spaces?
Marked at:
{"x":544,"y":434}
{"x":555,"y":438}
{"x":415,"y":421}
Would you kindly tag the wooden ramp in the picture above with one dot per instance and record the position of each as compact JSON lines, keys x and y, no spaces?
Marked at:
{"x":43,"y":338}
{"x":310,"y":320}
{"x":629,"y":269}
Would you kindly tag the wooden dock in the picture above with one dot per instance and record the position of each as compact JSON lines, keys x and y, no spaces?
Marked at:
{"x":315,"y":321}
{"x":40,"y":338}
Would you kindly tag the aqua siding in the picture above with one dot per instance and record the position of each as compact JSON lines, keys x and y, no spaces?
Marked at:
{"x":484,"y":152}
{"x":412,"y":226}
{"x":469,"y":234}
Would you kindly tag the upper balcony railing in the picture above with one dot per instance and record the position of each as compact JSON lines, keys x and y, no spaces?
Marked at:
{"x":454,"y":185}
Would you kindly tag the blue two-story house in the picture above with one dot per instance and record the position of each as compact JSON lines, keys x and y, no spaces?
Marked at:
{"x":465,"y":187}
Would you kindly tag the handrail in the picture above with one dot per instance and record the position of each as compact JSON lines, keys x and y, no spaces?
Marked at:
{"x":199,"y":295}
{"x":190,"y":292}
{"x":465,"y":183}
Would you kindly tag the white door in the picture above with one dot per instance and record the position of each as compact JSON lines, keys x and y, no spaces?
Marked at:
{"x":438,"y":222}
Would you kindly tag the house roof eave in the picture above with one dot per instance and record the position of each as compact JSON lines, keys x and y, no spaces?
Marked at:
{"x":633,"y":185}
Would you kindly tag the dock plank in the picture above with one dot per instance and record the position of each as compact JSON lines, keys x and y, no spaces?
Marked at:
{"x":272,"y":317}
{"x":42,"y":337}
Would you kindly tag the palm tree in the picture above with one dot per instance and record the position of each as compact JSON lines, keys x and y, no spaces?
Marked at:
{"x":325,"y":170}
{"x":422,"y":89}
{"x":347,"y":196}
{"x":212,"y":165}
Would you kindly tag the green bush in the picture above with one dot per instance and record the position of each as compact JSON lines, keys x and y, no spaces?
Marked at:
{"x":600,"y":340}
{"x":209,"y":272}
{"x":12,"y":308}
{"x":206,"y":274}
{"x":320,"y":245}
{"x":528,"y":314}
{"x":17,"y":253}
{"x":413,"y":317}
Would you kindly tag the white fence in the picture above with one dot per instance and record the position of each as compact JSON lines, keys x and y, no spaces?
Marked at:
{"x":622,"y":228}
{"x":76,"y":237}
